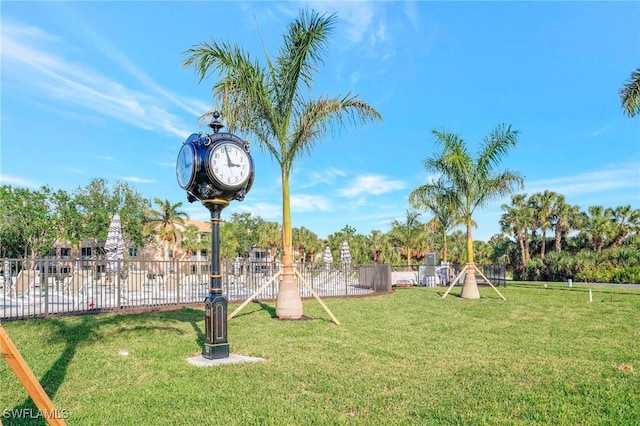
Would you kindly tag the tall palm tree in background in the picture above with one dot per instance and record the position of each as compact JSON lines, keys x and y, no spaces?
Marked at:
{"x":565,"y":218}
{"x":630,"y":94}
{"x":472,"y":183}
{"x":270,"y":102}
{"x":163,"y":222}
{"x":375,"y":241}
{"x":408,"y":236}
{"x":190,"y":240}
{"x":516,"y":220}
{"x":269,"y":236}
{"x":625,"y":221}
{"x":307,"y":243}
{"x":541,"y":204}
{"x":434,"y":199}
{"x":598,"y":227}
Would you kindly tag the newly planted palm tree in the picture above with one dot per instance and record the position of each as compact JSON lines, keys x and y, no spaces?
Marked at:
{"x":470,"y":183}
{"x":271,"y":102}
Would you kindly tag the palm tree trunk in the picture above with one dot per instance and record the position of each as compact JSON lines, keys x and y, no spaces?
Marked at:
{"x":288,"y":303}
{"x":523,"y":254}
{"x":444,"y":246}
{"x":470,"y":287}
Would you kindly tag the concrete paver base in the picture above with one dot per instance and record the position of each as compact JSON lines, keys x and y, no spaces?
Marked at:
{"x":200,"y":361}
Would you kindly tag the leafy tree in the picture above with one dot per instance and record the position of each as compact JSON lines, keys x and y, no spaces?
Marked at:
{"x":248,"y":231}
{"x":630,"y":94}
{"x":25,"y":224}
{"x":357,"y":244}
{"x":95,"y":204}
{"x":472,"y":183}
{"x":132,"y":207}
{"x":164,"y":221}
{"x":229,"y":244}
{"x":269,"y":101}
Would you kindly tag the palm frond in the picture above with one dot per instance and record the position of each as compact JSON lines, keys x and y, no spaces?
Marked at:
{"x":630,"y":94}
{"x":495,"y":146}
{"x":299,"y":56}
{"x":322,"y":116}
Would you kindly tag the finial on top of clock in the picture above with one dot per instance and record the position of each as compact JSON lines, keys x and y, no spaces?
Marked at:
{"x":215,"y":124}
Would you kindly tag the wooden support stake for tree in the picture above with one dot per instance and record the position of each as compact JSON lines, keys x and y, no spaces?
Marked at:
{"x":326,"y":308}
{"x":28,"y":380}
{"x":489,"y":282}
{"x":453,"y":283}
{"x":257,"y":292}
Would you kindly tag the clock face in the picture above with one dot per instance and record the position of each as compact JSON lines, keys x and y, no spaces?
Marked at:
{"x":186,"y":165}
{"x":229,"y":165}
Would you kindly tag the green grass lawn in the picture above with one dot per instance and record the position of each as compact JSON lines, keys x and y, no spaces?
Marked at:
{"x":545,"y":356}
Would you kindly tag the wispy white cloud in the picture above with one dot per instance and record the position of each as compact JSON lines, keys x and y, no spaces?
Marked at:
{"x":267,"y":211}
{"x":73,"y":170}
{"x":18,"y":181}
{"x":136,"y":179}
{"x":35,"y":60}
{"x":372,"y":184}
{"x":309,"y":203}
{"x":602,"y":130}
{"x":326,"y":177}
{"x":105,"y":157}
{"x":618,"y":176}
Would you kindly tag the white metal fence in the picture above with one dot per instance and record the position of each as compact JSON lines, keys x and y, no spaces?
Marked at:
{"x":44,"y":287}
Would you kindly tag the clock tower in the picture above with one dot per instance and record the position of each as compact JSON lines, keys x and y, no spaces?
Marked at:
{"x":215,"y":169}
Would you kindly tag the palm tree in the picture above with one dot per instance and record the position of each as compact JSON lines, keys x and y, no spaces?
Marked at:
{"x":541,"y":204}
{"x":598,"y":227}
{"x":516,"y":219}
{"x":307,"y":243}
{"x":564,"y":218}
{"x":375,"y":240}
{"x":163,"y":222}
{"x":190,"y":240}
{"x":630,"y":94}
{"x":269,"y":234}
{"x":270,"y":102}
{"x":408,"y":236}
{"x":434,"y":198}
{"x":472,"y":183}
{"x":626,"y":222}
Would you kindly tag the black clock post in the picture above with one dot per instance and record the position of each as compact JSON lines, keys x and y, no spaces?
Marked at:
{"x":215,"y":305}
{"x":215,"y":169}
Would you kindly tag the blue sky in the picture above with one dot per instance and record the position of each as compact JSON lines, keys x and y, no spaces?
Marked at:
{"x":96,"y":89}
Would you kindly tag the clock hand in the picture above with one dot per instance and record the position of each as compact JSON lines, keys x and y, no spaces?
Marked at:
{"x":226,"y":151}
